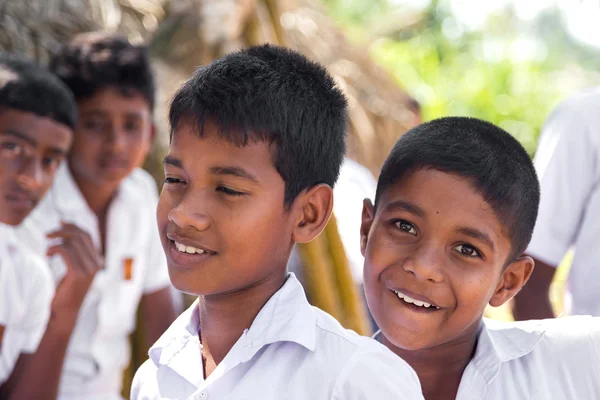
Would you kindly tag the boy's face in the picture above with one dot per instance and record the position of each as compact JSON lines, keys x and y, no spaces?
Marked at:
{"x":227,"y":202}
{"x":31,"y":148}
{"x":434,"y":241}
{"x":113,"y":136}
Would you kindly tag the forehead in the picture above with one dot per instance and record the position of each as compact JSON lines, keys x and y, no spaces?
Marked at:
{"x":210,"y":149}
{"x":45,"y":131}
{"x":447,"y":200}
{"x":115,"y":100}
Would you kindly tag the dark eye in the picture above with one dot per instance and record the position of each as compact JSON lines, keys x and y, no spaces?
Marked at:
{"x":172,"y":181}
{"x":11,"y":148}
{"x":229,"y":192}
{"x":132,"y":126}
{"x":94,"y":124}
{"x":406,"y":227}
{"x":467,"y":250}
{"x":52,"y":161}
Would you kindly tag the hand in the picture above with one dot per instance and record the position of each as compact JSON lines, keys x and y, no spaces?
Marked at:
{"x":82,"y":261}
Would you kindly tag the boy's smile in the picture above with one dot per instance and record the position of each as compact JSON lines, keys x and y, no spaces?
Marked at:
{"x":434,"y":258}
{"x":221,"y":214}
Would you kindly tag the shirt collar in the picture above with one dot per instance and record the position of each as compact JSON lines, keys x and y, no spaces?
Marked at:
{"x":499,"y":342}
{"x":286,"y":317}
{"x":66,"y":196}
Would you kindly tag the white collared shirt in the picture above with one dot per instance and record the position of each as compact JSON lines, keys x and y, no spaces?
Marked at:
{"x":553,"y":359}
{"x":567,"y":162}
{"x":26,"y":291}
{"x":292,"y":351}
{"x":135,"y":265}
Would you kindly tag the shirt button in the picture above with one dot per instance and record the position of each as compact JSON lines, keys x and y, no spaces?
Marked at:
{"x":202,"y":396}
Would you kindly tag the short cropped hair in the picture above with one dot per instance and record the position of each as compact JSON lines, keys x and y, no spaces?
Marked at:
{"x":95,"y":60}
{"x":27,"y":86}
{"x":276,"y":95}
{"x":495,"y":162}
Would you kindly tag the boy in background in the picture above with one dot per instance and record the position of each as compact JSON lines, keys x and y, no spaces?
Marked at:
{"x":37,"y":118}
{"x":102,"y":190}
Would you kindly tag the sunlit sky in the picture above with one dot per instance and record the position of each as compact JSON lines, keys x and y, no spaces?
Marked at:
{"x":582,"y":16}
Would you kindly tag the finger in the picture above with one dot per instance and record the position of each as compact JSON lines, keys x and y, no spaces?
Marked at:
{"x":70,"y":259}
{"x":87,"y":257}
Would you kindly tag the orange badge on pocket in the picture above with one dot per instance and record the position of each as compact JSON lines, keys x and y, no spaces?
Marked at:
{"x":1,"y":336}
{"x":128,"y":269}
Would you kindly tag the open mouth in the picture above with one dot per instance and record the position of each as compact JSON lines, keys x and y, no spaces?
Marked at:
{"x":414,"y":304}
{"x":182,"y":248}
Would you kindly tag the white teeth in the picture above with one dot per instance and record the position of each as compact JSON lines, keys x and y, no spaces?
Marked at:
{"x":410,"y":300}
{"x":188,"y":249}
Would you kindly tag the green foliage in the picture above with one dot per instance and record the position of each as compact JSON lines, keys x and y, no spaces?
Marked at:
{"x":498,"y":73}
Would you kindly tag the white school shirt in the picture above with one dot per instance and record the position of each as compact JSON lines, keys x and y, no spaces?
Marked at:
{"x":553,"y":359}
{"x":26,"y":291}
{"x":292,"y":351}
{"x":568,"y":166}
{"x":135,"y":265}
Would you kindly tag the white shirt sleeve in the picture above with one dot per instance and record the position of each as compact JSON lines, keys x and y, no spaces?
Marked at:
{"x":40,"y":300}
{"x":595,"y":333}
{"x":566,"y":164}
{"x":373,"y":373}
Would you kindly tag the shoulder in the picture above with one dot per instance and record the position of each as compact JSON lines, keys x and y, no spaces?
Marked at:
{"x":364,"y":365}
{"x":141,"y":183}
{"x":144,"y":383}
{"x":580,"y":108}
{"x":560,"y":339}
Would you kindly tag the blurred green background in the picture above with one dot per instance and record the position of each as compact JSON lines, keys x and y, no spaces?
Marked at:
{"x":509,"y":62}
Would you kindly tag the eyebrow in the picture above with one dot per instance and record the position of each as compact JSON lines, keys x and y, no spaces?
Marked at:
{"x":169,"y":160}
{"x":234,"y":171}
{"x":477,"y":234}
{"x":405,"y":206}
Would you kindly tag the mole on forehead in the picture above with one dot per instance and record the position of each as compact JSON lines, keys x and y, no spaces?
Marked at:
{"x":7,"y":75}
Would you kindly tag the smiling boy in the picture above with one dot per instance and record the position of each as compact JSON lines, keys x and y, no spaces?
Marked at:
{"x":257,"y":142}
{"x":37,"y":117}
{"x":455,"y":207}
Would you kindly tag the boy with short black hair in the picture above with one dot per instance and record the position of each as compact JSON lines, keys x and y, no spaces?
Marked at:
{"x":256,"y":146}
{"x":456,"y":204}
{"x":37,"y":118}
{"x":118,"y":265}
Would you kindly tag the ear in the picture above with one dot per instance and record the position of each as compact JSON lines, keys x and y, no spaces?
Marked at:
{"x":152,"y":134}
{"x":313,"y":209}
{"x":514,"y":277}
{"x":368,"y":213}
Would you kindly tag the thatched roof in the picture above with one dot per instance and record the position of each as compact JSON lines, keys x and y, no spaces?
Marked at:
{"x":187,"y":33}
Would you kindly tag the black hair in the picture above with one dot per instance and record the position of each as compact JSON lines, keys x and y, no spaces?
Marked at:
{"x":276,"y":95}
{"x":94,"y":60}
{"x":29,"y":87}
{"x":495,"y":162}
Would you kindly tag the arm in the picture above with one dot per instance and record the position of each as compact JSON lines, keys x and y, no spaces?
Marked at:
{"x":533,"y":301}
{"x":158,"y":313}
{"x":41,"y":372}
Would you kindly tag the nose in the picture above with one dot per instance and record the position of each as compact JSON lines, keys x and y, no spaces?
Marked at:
{"x":426,"y":264}
{"x":188,"y":214}
{"x":31,"y":175}
{"x":116,"y":139}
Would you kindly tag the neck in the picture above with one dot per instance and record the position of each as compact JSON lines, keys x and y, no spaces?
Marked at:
{"x":224,"y":317}
{"x":98,"y":197}
{"x":440,"y":368}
